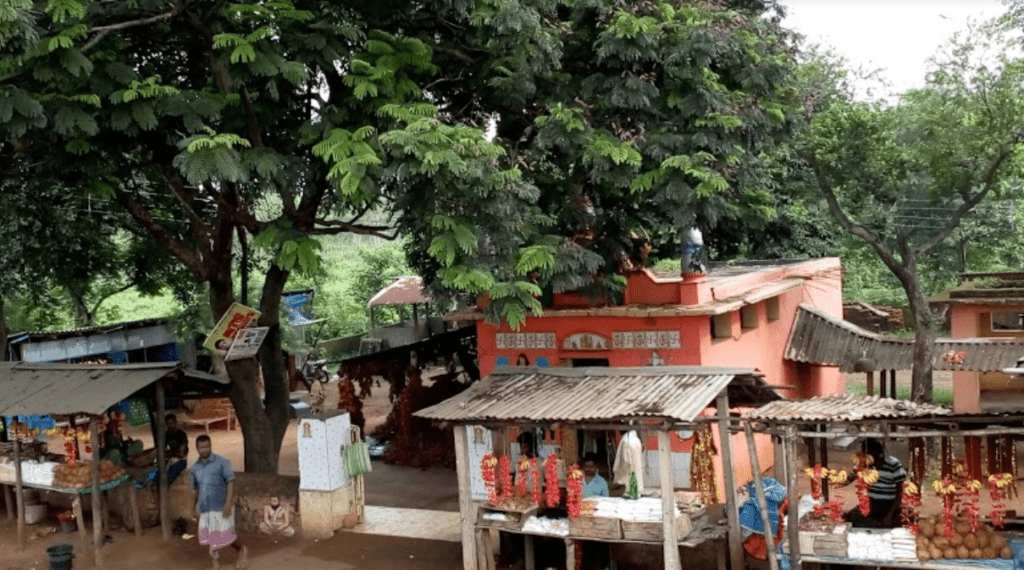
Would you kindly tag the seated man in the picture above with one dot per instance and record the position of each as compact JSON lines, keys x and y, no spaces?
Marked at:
{"x":175,"y":443}
{"x":117,"y":449}
{"x":276,"y":521}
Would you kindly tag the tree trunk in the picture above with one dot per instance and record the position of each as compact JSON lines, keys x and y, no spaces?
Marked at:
{"x":3,"y":332}
{"x":924,"y":334}
{"x":275,"y":369}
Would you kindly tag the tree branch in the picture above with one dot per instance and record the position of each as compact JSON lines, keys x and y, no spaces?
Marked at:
{"x":96,"y":305}
{"x":253,"y":122}
{"x":334,"y":227}
{"x":200,"y":229}
{"x":140,"y":22}
{"x":970,"y":201}
{"x":190,"y":258}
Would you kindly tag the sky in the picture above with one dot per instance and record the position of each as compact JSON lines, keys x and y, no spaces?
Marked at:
{"x":898,"y":35}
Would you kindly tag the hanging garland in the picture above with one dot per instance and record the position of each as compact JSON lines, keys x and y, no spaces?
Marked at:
{"x":487,"y":470}
{"x":908,"y":509}
{"x":816,"y":474}
{"x":836,"y":478}
{"x":865,"y":478}
{"x":551,"y":490}
{"x":947,"y":490}
{"x":702,"y":465}
{"x":998,"y":486}
{"x":507,"y":488}
{"x":523,"y":475}
{"x":574,"y":491}
{"x":535,"y":472}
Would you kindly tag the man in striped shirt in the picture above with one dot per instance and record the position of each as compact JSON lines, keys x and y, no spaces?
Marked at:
{"x":886,"y":494}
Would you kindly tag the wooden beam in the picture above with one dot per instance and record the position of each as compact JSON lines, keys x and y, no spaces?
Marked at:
{"x":97,"y":516}
{"x":793,"y":518}
{"x":871,"y":383}
{"x":133,"y":500}
{"x":8,"y":502}
{"x":909,"y":434}
{"x":19,"y":493}
{"x":467,"y":510}
{"x":731,"y":506}
{"x":668,"y":501}
{"x":76,"y":506}
{"x":762,"y":503}
{"x":892,"y":384}
{"x":161,"y":461}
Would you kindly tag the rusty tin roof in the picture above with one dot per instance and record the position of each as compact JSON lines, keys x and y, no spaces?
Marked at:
{"x":405,"y":290}
{"x":844,"y":407}
{"x":525,"y":394}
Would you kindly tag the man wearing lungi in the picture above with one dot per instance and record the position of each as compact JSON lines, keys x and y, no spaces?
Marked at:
{"x":213,"y":483}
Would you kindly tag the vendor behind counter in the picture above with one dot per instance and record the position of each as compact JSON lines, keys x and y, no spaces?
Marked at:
{"x":885,"y":495}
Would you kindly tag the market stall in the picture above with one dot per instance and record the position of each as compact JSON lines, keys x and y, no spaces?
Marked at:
{"x":962,"y":535}
{"x":79,"y":395}
{"x":524,"y":498}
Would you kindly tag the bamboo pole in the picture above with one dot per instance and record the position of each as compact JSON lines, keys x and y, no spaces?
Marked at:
{"x":161,"y":462}
{"x":8,"y":502}
{"x":668,"y":501}
{"x":762,"y":502}
{"x":97,"y":516}
{"x":19,"y":492}
{"x":467,"y":511}
{"x":791,"y":491}
{"x":732,"y":509}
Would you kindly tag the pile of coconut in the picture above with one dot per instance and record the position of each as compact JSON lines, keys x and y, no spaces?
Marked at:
{"x":933,"y":544}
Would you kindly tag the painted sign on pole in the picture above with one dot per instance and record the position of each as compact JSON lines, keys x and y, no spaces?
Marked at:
{"x":247,"y":343}
{"x":236,"y":318}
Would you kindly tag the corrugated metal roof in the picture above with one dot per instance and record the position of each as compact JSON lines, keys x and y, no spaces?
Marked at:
{"x":819,"y":338}
{"x":528,"y":394}
{"x":28,"y":388}
{"x":126,"y":325}
{"x":406,"y":290}
{"x":844,"y":407}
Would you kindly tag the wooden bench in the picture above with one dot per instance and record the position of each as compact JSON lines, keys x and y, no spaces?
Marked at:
{"x":209,"y":412}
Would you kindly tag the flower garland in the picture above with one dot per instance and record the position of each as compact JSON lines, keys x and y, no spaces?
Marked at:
{"x":908,"y":510}
{"x":523,"y":475}
{"x":574,"y":491}
{"x":487,"y":468}
{"x":998,"y":485}
{"x":535,"y":472}
{"x":816,"y":474}
{"x":702,"y":466}
{"x":836,"y":478}
{"x":70,"y":435}
{"x":866,"y":477}
{"x":970,"y":495}
{"x":551,"y":490}
{"x":947,"y":490}
{"x":507,"y":488}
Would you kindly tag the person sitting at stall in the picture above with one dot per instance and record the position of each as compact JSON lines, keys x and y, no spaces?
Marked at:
{"x":116,"y":448}
{"x":275,"y":519}
{"x":594,"y":485}
{"x":885,"y":495}
{"x":175,"y":445}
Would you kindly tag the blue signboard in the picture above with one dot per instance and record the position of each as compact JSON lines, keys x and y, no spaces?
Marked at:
{"x":298,"y":305}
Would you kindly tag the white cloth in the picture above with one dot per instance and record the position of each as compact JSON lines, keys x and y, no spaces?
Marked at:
{"x":629,"y":458}
{"x":216,"y":530}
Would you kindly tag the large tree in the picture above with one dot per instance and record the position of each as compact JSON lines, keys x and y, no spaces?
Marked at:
{"x":211,"y":121}
{"x":903,"y":177}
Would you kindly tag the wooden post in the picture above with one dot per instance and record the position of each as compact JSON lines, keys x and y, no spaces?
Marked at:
{"x":882,"y":386}
{"x":19,"y":493}
{"x":133,"y":500}
{"x":762,"y":503}
{"x":871,"y":383}
{"x":9,"y":502}
{"x":76,"y":505}
{"x":161,"y":461}
{"x":530,"y":557}
{"x":668,"y":501}
{"x":824,"y":459}
{"x":791,"y":491}
{"x":105,"y":510}
{"x":731,"y":507}
{"x":78,"y":444}
{"x":467,"y":512}
{"x":892,"y":384}
{"x":570,"y":554}
{"x":97,"y":516}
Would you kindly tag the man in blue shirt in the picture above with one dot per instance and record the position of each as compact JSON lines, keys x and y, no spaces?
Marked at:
{"x":213,"y":485}
{"x":594,"y":485}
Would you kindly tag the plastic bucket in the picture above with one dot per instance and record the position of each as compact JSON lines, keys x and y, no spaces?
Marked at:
{"x":60,"y":556}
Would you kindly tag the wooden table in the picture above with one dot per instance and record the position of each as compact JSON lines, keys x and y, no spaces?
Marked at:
{"x":486,"y":547}
{"x":891,"y":563}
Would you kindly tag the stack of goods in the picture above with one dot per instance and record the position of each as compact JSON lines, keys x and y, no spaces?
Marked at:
{"x":544,"y":525}
{"x":644,"y":509}
{"x":33,"y":473}
{"x":822,"y":537}
{"x":933,"y":543}
{"x":904,"y":545}
{"x":868,"y":544}
{"x":79,"y":475}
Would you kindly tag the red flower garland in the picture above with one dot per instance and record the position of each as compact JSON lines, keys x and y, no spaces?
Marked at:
{"x":551,"y":490}
{"x":947,"y":490}
{"x":970,"y":495}
{"x":908,"y":510}
{"x":487,"y":465}
{"x":998,"y":484}
{"x":836,"y":478}
{"x":507,"y":489}
{"x":816,"y":474}
{"x":524,"y":473}
{"x":574,"y":491}
{"x":535,"y":472}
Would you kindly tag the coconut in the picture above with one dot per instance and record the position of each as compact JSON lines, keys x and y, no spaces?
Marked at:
{"x":962,"y":528}
{"x":935,"y":552}
{"x":1006,"y":552}
{"x":985,"y":539}
{"x":924,"y":554}
{"x":941,"y":541}
{"x":971,"y":541}
{"x":975,"y":553}
{"x":949,"y":552}
{"x":962,"y":552}
{"x":989,"y":552}
{"x":996,"y":541}
{"x":927,"y":529}
{"x":956,"y":541}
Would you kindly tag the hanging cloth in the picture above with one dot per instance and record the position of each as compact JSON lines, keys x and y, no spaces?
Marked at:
{"x":629,"y":458}
{"x":357,"y":459}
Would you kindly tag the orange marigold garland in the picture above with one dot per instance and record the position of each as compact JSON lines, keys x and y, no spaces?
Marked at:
{"x":551,"y":490}
{"x":507,"y":488}
{"x":998,"y":487}
{"x":702,"y":466}
{"x":487,"y":467}
{"x":524,"y":474}
{"x":574,"y":491}
{"x":535,"y":472}
{"x":908,"y":510}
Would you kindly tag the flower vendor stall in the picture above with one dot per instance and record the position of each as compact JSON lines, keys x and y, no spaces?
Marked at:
{"x":962,"y":535}
{"x":543,"y":496}
{"x":79,"y":396}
